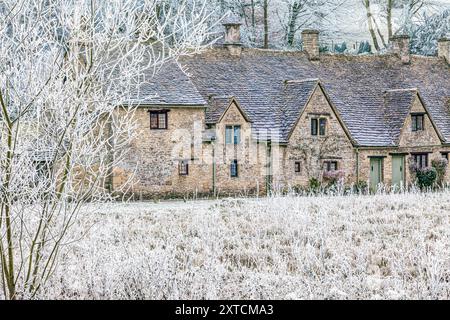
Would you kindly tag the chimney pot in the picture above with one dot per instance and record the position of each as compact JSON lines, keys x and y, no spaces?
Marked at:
{"x":444,"y":48}
{"x":400,"y":45}
{"x":311,"y":43}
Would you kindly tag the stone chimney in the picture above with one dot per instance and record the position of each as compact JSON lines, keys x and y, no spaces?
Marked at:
{"x":311,"y":43}
{"x":444,"y":48}
{"x":232,"y":26}
{"x":400,"y":45}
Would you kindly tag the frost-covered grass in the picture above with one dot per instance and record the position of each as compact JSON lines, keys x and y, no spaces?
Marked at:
{"x":354,"y":247}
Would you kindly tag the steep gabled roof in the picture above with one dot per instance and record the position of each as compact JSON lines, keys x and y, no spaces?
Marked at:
{"x":296,"y":93}
{"x":398,"y":104}
{"x":355,"y":85}
{"x":218,"y":106}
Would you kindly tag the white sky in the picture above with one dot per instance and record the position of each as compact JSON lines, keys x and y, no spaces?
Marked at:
{"x":352,"y":24}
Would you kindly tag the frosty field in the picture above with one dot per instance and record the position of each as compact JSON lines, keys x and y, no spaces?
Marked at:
{"x":354,"y":247}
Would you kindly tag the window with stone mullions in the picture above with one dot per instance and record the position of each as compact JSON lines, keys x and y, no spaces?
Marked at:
{"x":331,"y":166}
{"x":421,"y":160}
{"x":233,"y":134}
{"x":158,"y":120}
{"x":318,"y":127}
{"x":417,"y":122}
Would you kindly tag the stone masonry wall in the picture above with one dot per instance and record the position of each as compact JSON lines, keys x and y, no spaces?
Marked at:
{"x":313,"y":151}
{"x":426,"y":141}
{"x":155,"y":156}
{"x":250,"y":155}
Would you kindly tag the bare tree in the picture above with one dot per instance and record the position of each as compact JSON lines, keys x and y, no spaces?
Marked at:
{"x":370,"y":23}
{"x":266,"y":23}
{"x":66,"y":67}
{"x":300,"y":14}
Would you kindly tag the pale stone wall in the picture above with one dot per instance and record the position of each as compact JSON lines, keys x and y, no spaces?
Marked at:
{"x":250,"y":155}
{"x":426,"y":141}
{"x":313,"y":151}
{"x":386,"y":153}
{"x":364,"y":164}
{"x":427,"y":137}
{"x":155,"y":155}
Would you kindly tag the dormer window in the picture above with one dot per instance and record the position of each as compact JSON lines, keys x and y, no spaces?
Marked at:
{"x":417,"y":120}
{"x":233,"y":134}
{"x":322,"y":126}
{"x":318,"y":127}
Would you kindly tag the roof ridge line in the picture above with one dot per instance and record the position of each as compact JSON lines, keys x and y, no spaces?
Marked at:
{"x":402,"y":90}
{"x":302,"y":80}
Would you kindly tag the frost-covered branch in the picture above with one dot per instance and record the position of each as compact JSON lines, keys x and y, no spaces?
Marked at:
{"x":66,"y":67}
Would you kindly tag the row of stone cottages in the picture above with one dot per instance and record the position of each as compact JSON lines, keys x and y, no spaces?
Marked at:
{"x":256,"y":119}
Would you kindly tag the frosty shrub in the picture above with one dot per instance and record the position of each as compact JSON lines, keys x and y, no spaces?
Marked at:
{"x":440,"y":165}
{"x":314,"y":184}
{"x":361,"y":187}
{"x":333,"y":177}
{"x":426,"y":177}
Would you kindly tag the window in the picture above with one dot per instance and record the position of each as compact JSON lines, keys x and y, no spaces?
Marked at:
{"x":183,"y":168}
{"x":417,"y":122}
{"x":314,"y":125}
{"x":158,"y":120}
{"x":421,"y":159}
{"x":445,"y":155}
{"x":233,"y":134}
{"x":237,"y":134}
{"x":297,"y":167}
{"x":228,"y":134}
{"x":318,"y":127}
{"x":322,"y":126}
{"x":234,"y":169}
{"x":331,"y":166}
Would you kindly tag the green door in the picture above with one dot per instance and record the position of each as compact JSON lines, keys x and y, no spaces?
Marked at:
{"x":376,"y":165}
{"x":398,"y":171}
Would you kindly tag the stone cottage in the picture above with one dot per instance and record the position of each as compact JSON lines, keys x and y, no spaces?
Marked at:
{"x":238,"y":120}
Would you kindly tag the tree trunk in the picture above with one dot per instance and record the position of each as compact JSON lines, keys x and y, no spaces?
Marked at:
{"x":266,"y":24}
{"x":379,"y":33}
{"x":389,"y":18}
{"x":253,"y":19}
{"x":292,"y":25}
{"x":370,"y":23}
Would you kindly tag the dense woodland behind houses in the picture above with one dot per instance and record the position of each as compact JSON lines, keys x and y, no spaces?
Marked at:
{"x":346,"y":26}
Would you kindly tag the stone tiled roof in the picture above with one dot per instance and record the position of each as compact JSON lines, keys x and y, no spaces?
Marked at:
{"x":216,"y":108}
{"x":168,"y":86}
{"x":397,"y":105}
{"x":296,"y":95}
{"x":272,"y":85}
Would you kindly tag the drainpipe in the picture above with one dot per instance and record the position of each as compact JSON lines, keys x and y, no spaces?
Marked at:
{"x":213,"y":166}
{"x":269,"y":168}
{"x":357,"y":165}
